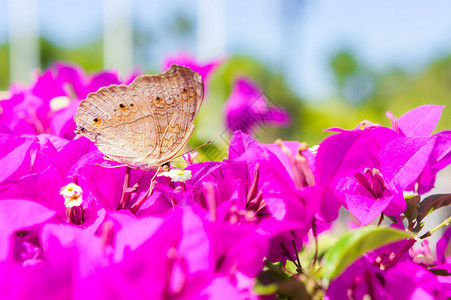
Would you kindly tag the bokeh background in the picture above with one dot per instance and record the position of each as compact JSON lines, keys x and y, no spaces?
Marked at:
{"x":327,"y":62}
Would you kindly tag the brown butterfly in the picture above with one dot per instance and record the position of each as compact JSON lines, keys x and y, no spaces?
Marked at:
{"x":146,"y":123}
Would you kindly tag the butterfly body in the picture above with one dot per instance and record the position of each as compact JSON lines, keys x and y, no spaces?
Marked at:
{"x":146,"y":123}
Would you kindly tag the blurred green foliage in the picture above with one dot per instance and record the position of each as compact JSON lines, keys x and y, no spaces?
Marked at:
{"x":400,"y":92}
{"x":275,"y":89}
{"x":344,"y":65}
{"x":397,"y":90}
{"x":89,"y":56}
{"x":365,"y":95}
{"x":4,"y":67}
{"x":362,"y":93}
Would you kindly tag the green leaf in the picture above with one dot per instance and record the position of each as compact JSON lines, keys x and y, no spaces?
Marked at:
{"x":269,"y":289}
{"x":267,"y":282}
{"x":354,"y":244}
{"x":325,"y":241}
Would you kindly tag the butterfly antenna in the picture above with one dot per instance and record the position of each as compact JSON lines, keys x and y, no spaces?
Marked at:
{"x":204,"y":144}
{"x":114,"y":167}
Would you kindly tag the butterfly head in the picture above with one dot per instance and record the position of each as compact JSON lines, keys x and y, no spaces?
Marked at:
{"x":80,"y":130}
{"x":83,"y":131}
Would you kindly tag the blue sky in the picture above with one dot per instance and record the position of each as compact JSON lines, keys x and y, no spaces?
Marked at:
{"x":297,"y":41}
{"x":383,"y":33}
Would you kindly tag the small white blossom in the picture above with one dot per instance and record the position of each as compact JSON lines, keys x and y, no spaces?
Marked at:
{"x":72,"y":194}
{"x":314,"y":149}
{"x":177,"y":175}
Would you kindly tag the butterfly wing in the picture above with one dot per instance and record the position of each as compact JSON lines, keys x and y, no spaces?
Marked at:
{"x":144,"y":123}
{"x":176,"y":99}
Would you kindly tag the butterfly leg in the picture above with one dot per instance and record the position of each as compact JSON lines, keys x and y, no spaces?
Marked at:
{"x":110,"y":159}
{"x":113,"y":167}
{"x":137,"y":205}
{"x":126,"y":190}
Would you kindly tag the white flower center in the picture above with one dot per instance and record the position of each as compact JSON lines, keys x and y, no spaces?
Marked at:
{"x":72,"y":194}
{"x":177,"y":175}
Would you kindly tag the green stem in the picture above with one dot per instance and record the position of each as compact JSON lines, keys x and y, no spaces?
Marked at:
{"x":297,"y":256}
{"x":446,"y":222}
{"x":287,"y":254}
{"x":315,"y":235}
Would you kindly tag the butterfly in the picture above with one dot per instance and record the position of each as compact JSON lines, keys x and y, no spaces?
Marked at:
{"x":144,"y":124}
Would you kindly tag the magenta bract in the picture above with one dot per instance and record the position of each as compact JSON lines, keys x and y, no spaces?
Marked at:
{"x":76,"y":225}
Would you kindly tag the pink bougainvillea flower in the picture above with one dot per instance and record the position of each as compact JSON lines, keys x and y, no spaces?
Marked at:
{"x":208,"y":251}
{"x":443,"y":248}
{"x":299,"y":162}
{"x":212,"y":187}
{"x":405,"y":280}
{"x":372,"y":191}
{"x":204,"y":70}
{"x":248,"y":108}
{"x":421,"y":121}
{"x":37,"y":170}
{"x":268,"y":191}
{"x":338,"y":156}
{"x":184,"y":256}
{"x":18,"y":215}
{"x":261,"y":172}
{"x":440,"y":266}
{"x":357,"y":281}
{"x":68,"y":255}
{"x":389,"y":273}
{"x":180,"y":256}
{"x":75,"y":225}
{"x":49,"y":104}
{"x":297,"y":159}
{"x":252,"y":187}
{"x":15,"y":155}
{"x":380,"y":153}
{"x":439,"y":159}
{"x":365,"y":195}
{"x":25,"y":113}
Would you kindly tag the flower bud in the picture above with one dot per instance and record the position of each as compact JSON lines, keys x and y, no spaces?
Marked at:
{"x":75,"y":214}
{"x":73,"y":201}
